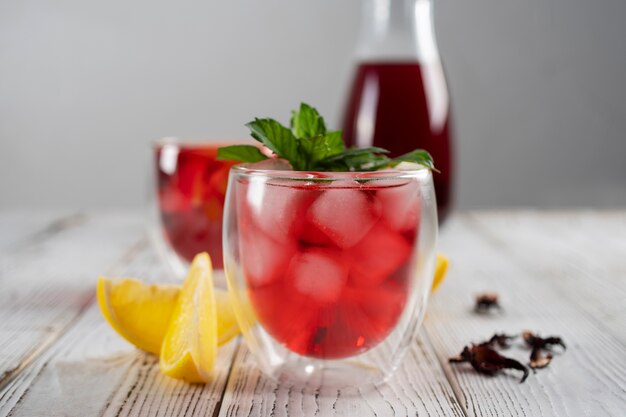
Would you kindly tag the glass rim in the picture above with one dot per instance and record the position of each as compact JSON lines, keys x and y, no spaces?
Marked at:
{"x":389,"y":174}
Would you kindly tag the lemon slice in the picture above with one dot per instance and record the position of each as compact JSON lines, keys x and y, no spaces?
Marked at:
{"x":441,"y":267}
{"x":190,"y":345}
{"x":139,"y":312}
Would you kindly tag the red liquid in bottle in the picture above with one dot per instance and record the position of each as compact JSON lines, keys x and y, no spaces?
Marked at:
{"x":402,"y":106}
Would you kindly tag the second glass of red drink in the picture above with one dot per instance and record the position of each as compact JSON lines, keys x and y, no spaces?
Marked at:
{"x":190,"y":188}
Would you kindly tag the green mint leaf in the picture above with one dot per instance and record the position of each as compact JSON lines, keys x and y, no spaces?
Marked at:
{"x":279,"y":140}
{"x":307,"y":122}
{"x":357,"y":159}
{"x":418,"y":156}
{"x":321,"y":147}
{"x":366,"y":162}
{"x":352,"y":152}
{"x":241,"y":153}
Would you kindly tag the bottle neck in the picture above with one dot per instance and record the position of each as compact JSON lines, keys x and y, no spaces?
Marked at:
{"x":394,"y":30}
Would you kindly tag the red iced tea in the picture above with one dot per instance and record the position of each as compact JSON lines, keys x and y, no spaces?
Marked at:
{"x":191,"y":190}
{"x":328,"y":265}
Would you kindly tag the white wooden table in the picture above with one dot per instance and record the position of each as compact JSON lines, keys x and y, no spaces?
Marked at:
{"x":561,"y":273}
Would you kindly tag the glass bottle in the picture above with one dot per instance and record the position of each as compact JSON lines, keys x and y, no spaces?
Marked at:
{"x":399,"y":97}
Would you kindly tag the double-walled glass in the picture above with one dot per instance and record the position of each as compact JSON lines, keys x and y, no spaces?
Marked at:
{"x":187,"y":200}
{"x":329,"y":273}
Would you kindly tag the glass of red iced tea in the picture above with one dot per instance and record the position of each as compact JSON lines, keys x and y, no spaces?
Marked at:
{"x":329,"y":272}
{"x":190,"y":187}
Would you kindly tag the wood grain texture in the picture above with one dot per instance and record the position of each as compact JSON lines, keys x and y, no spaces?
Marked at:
{"x":556,"y":273}
{"x":21,"y":226}
{"x":589,"y":379}
{"x":46,"y":281}
{"x":91,"y":371}
{"x":418,"y":388}
{"x":581,"y":254}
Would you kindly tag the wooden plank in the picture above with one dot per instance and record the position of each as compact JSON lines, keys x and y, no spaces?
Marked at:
{"x":18,"y":226}
{"x":90,"y":370}
{"x":418,"y":388}
{"x":16,"y":345}
{"x":581,"y":254}
{"x":588,"y":379}
{"x":46,"y":284}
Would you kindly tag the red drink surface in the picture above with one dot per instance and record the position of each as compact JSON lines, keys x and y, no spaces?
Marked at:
{"x":191,"y":191}
{"x":402,"y":106}
{"x":328,"y":266}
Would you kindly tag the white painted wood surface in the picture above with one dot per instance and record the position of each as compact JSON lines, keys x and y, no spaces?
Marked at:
{"x":16,"y":225}
{"x":558,"y":273}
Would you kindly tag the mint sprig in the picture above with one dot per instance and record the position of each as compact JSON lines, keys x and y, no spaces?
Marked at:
{"x":308,"y":146}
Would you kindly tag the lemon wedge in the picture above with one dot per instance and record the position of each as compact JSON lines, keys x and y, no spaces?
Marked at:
{"x":190,"y":344}
{"x":139,"y":312}
{"x":441,"y":268}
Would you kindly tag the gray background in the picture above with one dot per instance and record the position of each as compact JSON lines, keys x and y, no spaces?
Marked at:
{"x":537,"y":86}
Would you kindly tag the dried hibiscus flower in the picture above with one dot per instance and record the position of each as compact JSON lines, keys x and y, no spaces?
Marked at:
{"x":538,"y":344}
{"x":500,"y":340}
{"x":535,"y":341}
{"x":538,"y":360}
{"x":487,"y":361}
{"x":486,"y":302}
